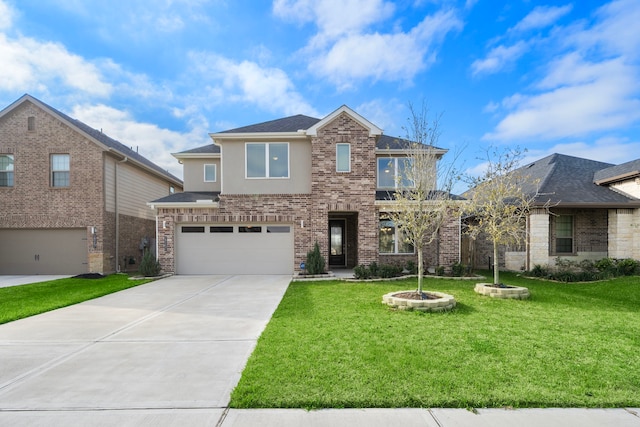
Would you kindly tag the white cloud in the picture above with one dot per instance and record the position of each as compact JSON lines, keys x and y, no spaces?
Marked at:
{"x":29,"y":64}
{"x":542,"y":16}
{"x":498,"y":58}
{"x":591,"y":84}
{"x":151,"y":141}
{"x":334,"y":18}
{"x":6,"y":16}
{"x":245,"y":81}
{"x":384,"y":57}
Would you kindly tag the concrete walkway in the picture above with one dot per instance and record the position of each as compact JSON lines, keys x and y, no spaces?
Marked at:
{"x":169,"y":354}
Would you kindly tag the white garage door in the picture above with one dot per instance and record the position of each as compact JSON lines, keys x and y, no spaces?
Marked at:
{"x":45,"y":251}
{"x":234,"y":249}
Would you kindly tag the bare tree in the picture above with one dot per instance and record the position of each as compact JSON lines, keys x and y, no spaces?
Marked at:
{"x":422,"y":196}
{"x":500,"y":201}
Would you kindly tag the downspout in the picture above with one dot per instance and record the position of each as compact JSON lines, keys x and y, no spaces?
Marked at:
{"x":124,"y":160}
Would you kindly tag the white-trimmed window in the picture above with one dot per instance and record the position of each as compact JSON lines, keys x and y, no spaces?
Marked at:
{"x":343,"y":157}
{"x":267,"y":159}
{"x":210,"y":173}
{"x":393,"y":171}
{"x":6,"y":170}
{"x":391,"y":239}
{"x":60,"y":170}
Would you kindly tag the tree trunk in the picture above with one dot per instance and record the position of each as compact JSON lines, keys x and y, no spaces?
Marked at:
{"x":420,"y":273}
{"x":496,"y":270}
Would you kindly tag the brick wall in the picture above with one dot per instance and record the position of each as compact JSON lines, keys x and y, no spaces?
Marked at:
{"x":32,"y":203}
{"x":345,"y":192}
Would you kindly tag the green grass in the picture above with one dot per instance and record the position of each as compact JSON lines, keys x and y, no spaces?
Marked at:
{"x":334,"y":345}
{"x":17,"y":302}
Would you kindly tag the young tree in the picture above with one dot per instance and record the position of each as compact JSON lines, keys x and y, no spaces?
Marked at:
{"x":500,"y":201}
{"x":423,"y":201}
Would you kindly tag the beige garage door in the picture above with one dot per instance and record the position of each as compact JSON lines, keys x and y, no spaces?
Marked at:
{"x":234,"y":249}
{"x":47,"y":251}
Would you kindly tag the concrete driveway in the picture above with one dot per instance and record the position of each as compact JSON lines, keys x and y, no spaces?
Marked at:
{"x":165,"y":353}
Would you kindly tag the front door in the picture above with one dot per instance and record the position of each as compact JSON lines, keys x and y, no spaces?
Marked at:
{"x":337,"y":243}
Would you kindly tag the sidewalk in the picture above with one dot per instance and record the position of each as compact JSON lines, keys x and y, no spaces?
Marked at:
{"x":407,"y":417}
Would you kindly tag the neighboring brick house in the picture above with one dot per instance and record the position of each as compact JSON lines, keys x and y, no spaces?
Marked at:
{"x":72,"y":200}
{"x":593,"y":212}
{"x":258,"y":199}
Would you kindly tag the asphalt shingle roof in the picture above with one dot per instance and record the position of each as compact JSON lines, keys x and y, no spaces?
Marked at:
{"x":567,"y":180}
{"x":206,"y":149}
{"x":108,"y":141}
{"x":629,"y":168}
{"x":189,"y":197}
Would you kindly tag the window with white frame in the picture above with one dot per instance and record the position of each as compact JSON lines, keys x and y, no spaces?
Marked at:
{"x":391,"y":238}
{"x":394,"y":171}
{"x":343,"y":157}
{"x":267,"y":160}
{"x":60,"y":170}
{"x":6,"y":170}
{"x":210,"y":173}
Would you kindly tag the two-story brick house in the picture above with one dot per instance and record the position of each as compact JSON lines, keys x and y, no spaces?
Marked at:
{"x":72,"y":199}
{"x":259,"y":197}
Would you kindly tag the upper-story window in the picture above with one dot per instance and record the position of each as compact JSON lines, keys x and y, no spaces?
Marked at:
{"x":393,"y":171}
{"x":6,"y":170}
{"x":60,"y":170}
{"x":343,"y":157}
{"x":210,"y":173}
{"x":267,"y":160}
{"x":31,"y":123}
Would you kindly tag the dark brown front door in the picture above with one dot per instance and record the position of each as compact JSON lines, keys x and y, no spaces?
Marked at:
{"x":337,"y":243}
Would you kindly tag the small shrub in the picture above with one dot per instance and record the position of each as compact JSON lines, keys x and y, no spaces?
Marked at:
{"x":362,"y":272}
{"x":385,"y":271}
{"x":373,"y":269}
{"x":457,"y":269}
{"x":628,"y":267}
{"x":411,"y":267}
{"x":439,"y":270}
{"x":149,"y":266}
{"x":539,"y":271}
{"x":315,"y":261}
{"x":605,"y":264}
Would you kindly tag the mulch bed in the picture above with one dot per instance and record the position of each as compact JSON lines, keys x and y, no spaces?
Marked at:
{"x":415,"y":295}
{"x":89,"y":276}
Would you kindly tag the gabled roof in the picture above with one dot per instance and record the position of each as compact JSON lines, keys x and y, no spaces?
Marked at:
{"x":373,"y":129}
{"x":618,"y":173}
{"x":301,"y":125}
{"x":567,"y":181}
{"x":97,"y":136}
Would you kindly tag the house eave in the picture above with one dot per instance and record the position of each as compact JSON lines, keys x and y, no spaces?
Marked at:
{"x":622,"y":177}
{"x":584,"y":205}
{"x":188,"y":205}
{"x":408,"y":151}
{"x":220,"y":137}
{"x":181,"y":156}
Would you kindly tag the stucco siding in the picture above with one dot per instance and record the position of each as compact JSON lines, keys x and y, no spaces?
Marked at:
{"x":234,"y":179}
{"x":194,"y":175}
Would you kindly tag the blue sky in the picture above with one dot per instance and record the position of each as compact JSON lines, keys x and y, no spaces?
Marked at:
{"x":161,"y":74}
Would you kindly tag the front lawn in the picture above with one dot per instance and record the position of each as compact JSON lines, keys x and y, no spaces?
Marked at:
{"x":17,"y":302}
{"x":334,"y":345}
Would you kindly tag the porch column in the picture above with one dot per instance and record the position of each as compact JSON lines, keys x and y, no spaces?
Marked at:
{"x":621,"y":233}
{"x":538,"y":238}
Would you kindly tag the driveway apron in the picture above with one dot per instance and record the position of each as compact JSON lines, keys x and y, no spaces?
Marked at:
{"x":168,"y":352}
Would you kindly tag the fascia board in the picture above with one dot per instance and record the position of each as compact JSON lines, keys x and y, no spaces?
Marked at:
{"x":373,"y":129}
{"x":218,"y":138}
{"x":206,"y":204}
